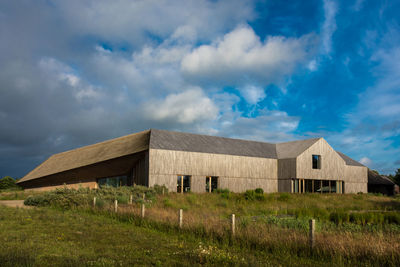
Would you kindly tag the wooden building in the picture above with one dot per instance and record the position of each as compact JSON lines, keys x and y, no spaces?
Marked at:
{"x":380,"y":184}
{"x":199,"y":163}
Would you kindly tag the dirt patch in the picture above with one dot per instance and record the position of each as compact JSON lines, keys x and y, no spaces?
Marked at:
{"x":13,"y":203}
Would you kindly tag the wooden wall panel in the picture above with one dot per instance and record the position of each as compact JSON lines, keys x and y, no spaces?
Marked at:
{"x":236,"y":173}
{"x":286,"y":168}
{"x":356,"y":179}
{"x":332,"y":165}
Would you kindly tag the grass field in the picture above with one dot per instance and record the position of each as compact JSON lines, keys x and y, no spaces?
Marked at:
{"x":356,"y":230}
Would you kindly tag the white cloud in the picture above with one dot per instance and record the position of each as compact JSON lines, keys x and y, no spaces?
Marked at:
{"x":312,"y":65}
{"x":133,"y":20}
{"x":240,"y":56}
{"x":329,"y":26}
{"x":366,"y":161}
{"x":253,"y":94}
{"x":188,"y":107}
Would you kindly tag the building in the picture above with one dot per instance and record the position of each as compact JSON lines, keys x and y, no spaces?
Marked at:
{"x":380,"y":184}
{"x":189,"y":162}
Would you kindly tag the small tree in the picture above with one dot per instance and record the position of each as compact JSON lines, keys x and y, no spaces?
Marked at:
{"x":396,"y":177}
{"x":7,"y":182}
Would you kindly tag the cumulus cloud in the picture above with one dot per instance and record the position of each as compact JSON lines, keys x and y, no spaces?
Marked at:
{"x":125,"y":20}
{"x":241,"y":56}
{"x":188,"y":107}
{"x":253,"y":94}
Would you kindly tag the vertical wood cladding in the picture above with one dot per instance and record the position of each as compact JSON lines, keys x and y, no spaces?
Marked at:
{"x":332,"y":165}
{"x":237,"y":173}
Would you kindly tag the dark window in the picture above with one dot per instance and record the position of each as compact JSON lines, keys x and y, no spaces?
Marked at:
{"x":316,"y":161}
{"x":183,"y":184}
{"x":214,"y":183}
{"x":115,"y":181}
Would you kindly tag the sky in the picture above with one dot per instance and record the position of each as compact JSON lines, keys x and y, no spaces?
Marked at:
{"x":73,"y":73}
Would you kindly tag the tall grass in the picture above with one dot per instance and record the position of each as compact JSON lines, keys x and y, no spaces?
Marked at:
{"x":350,"y":228}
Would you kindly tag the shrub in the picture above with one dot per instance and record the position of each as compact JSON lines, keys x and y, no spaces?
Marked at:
{"x":254,"y":194}
{"x":68,"y":198}
{"x":250,"y":195}
{"x":8,"y":183}
{"x":259,"y":191}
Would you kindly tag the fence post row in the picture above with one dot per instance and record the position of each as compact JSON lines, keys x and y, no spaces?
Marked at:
{"x":94,"y":202}
{"x":233,"y":224}
{"x":116,"y":206}
{"x":180,"y":217}
{"x":311,"y":233}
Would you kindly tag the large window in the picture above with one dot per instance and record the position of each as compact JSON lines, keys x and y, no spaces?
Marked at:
{"x":316,"y":161}
{"x":115,"y":181}
{"x":213,"y":181}
{"x":183,"y":184}
{"x":317,"y":186}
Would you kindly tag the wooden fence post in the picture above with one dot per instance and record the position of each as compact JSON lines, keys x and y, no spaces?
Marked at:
{"x":311,"y":233}
{"x":163,"y":190}
{"x":233,"y":224}
{"x":94,"y":202}
{"x":131,"y":199}
{"x":116,"y":206}
{"x":144,"y":196}
{"x":180,"y":218}
{"x":143,"y":210}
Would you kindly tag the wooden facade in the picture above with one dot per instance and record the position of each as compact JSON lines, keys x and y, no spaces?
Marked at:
{"x":160,"y":157}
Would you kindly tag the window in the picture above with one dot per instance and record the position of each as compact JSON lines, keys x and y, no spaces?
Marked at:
{"x":317,"y":186}
{"x":115,"y":181}
{"x":214,"y":183}
{"x":183,"y":184}
{"x":316,"y":161}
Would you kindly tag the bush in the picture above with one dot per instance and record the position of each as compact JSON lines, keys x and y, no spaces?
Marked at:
{"x":254,"y":194}
{"x":69,"y":198}
{"x":8,"y":182}
{"x":259,"y":191}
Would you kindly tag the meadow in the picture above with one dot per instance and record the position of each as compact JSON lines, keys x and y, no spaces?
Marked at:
{"x":272,"y":229}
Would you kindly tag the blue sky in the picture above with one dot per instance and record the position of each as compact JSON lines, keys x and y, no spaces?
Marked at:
{"x":77,"y":72}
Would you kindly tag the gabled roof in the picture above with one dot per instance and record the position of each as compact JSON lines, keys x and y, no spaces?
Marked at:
{"x":91,"y":154}
{"x":375,"y":178}
{"x":349,"y":161}
{"x":169,"y":140}
{"x":293,"y":149}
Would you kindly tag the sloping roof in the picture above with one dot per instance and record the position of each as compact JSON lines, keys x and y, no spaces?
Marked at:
{"x":169,"y":140}
{"x":91,"y":154}
{"x":374,"y":178}
{"x":161,"y":139}
{"x":349,"y":161}
{"x":293,"y":149}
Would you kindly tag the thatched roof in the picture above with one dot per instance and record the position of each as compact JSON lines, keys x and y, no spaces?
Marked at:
{"x":169,"y":140}
{"x":91,"y":154}
{"x":377,"y":179}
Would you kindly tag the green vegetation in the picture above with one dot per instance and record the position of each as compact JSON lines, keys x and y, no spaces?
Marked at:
{"x":272,"y":229}
{"x":8,"y":183}
{"x":70,"y":198}
{"x":396,"y":177}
